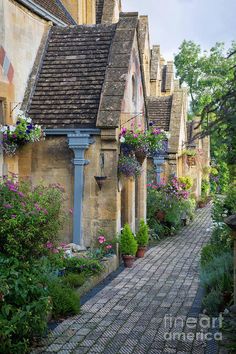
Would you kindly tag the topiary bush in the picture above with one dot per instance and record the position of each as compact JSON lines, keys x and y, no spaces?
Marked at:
{"x":128,"y":244}
{"x":142,"y":234}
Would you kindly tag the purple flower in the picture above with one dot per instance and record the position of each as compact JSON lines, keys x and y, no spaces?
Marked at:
{"x":150,"y":124}
{"x":13,"y":216}
{"x":21,"y":194}
{"x":7,"y":206}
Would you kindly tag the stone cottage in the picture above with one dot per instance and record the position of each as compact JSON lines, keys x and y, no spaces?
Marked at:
{"x":83,"y":83}
{"x":167,"y":108}
{"x":83,"y":70}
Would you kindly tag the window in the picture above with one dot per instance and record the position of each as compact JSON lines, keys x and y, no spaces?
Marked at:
{"x":134,"y":90}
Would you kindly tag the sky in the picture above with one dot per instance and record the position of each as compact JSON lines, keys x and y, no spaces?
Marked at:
{"x":171,"y":21}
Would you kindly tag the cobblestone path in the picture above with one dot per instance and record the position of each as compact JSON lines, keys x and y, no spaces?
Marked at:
{"x":128,"y":315}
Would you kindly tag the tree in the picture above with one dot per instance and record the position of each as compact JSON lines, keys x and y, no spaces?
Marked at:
{"x":211,"y":78}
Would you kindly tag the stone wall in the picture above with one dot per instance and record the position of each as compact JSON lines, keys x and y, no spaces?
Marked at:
{"x":83,"y":11}
{"x":50,"y":162}
{"x":21,"y":33}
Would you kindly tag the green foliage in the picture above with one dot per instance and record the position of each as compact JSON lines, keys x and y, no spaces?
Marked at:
{"x":212,"y":301}
{"x":217,"y":260}
{"x":128,"y":244}
{"x":210,"y":76}
{"x":210,"y":251}
{"x":142,"y":234}
{"x":187,"y":182}
{"x":24,"y":304}
{"x":65,"y":301}
{"x":85,"y":265}
{"x":189,"y":152}
{"x":218,"y":273}
{"x":30,"y":216}
{"x":74,"y":280}
{"x":205,"y":188}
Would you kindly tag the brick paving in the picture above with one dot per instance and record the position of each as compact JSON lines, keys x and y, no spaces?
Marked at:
{"x":128,"y":315}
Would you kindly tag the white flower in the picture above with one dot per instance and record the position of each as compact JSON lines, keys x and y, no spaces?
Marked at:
{"x":12,"y":128}
{"x":20,"y":113}
{"x":28,"y":120}
{"x":4,"y":129}
{"x":168,"y":135}
{"x":122,"y":139}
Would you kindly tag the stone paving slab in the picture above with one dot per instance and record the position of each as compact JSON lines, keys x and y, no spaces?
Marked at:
{"x":143,"y":308}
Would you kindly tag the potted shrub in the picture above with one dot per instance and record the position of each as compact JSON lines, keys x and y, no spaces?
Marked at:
{"x":128,"y":246}
{"x":142,"y":239}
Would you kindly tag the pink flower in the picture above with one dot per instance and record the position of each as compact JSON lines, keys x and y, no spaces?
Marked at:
{"x":135,"y":135}
{"x":37,"y":206}
{"x":49,"y":245}
{"x":63,"y":244}
{"x":101,"y":239}
{"x":71,"y":211}
{"x":156,"y":131}
{"x":55,"y":250}
{"x":108,"y":247}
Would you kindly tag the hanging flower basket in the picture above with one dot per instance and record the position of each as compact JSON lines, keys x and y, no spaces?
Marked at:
{"x":142,"y":143}
{"x":15,"y":136}
{"x":129,"y":166}
{"x":191,"y":161}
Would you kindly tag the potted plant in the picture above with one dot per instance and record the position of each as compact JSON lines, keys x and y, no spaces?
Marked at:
{"x":160,"y":215}
{"x":128,"y":246}
{"x":142,"y":239}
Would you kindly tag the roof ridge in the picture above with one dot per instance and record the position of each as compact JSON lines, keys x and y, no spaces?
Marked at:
{"x":64,"y":9}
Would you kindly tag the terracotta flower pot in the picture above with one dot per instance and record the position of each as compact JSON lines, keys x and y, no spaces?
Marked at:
{"x":201,"y":205}
{"x":141,"y":251}
{"x":128,"y":261}
{"x":160,"y":215}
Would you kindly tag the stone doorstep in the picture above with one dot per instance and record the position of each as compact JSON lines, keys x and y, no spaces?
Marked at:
{"x":110,"y":265}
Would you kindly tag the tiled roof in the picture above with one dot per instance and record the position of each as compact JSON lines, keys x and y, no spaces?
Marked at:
{"x":99,"y":10}
{"x":53,"y":7}
{"x":69,"y":85}
{"x":159,"y":111}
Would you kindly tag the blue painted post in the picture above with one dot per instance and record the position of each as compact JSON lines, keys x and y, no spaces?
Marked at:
{"x":78,"y":143}
{"x":158,"y":162}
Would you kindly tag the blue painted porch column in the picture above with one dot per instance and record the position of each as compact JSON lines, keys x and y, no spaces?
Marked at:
{"x":158,"y":162}
{"x":79,"y":142}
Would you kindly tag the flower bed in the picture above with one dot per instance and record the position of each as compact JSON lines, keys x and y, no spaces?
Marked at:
{"x":217,"y":257}
{"x":169,"y":206}
{"x":39,"y":276}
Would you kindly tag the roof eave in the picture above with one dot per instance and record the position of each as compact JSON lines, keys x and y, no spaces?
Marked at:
{"x":39,"y":10}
